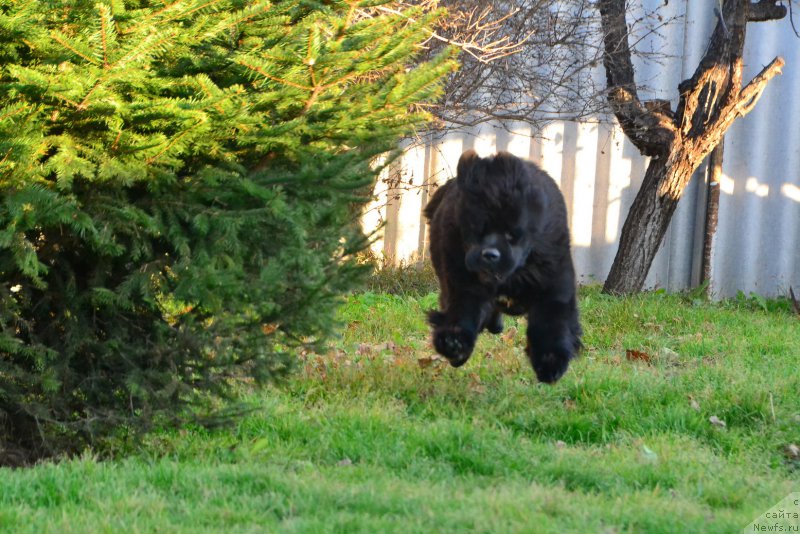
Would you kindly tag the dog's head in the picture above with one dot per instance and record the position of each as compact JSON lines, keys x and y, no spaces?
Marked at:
{"x":501,"y":214}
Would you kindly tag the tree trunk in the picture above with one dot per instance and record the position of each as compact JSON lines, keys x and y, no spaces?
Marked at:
{"x":712,"y":212}
{"x":646,"y":225}
{"x":677,"y":141}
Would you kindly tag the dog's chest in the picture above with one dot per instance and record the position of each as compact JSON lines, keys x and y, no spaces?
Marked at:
{"x":515,"y":296}
{"x":509,"y":305}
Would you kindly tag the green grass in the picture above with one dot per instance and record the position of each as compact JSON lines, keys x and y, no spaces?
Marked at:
{"x":378,"y":436}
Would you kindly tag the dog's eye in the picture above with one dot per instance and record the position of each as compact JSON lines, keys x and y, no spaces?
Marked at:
{"x":513,"y":236}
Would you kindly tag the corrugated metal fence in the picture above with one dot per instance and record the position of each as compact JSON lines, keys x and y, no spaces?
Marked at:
{"x":757,"y":245}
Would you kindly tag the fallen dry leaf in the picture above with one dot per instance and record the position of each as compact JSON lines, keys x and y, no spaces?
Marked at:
{"x":637,"y":356}
{"x":508,"y":335}
{"x":365,"y":349}
{"x":269,"y":328}
{"x":716,"y":421}
{"x":427,"y":361}
{"x":475,"y":383}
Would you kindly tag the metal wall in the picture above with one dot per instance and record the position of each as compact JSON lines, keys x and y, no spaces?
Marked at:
{"x":757,"y":245}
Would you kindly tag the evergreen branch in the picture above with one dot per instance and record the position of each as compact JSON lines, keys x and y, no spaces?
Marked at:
{"x":85,"y":102}
{"x":276,"y":79}
{"x":56,"y":36}
{"x":13,"y":110}
{"x":196,"y":9}
{"x":312,"y":99}
{"x":144,"y":48}
{"x":348,"y":20}
{"x":166,"y":9}
{"x":313,"y":51}
{"x":174,"y":140}
{"x":204,"y":82}
{"x":245,"y":15}
{"x":105,"y":28}
{"x":69,"y":101}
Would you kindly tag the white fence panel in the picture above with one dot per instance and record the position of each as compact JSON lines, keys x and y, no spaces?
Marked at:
{"x":757,"y":245}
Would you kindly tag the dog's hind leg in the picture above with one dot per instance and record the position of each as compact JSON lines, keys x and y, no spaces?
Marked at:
{"x":495,"y":322}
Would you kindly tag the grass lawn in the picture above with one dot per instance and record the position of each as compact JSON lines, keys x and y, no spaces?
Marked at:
{"x":379,"y":436}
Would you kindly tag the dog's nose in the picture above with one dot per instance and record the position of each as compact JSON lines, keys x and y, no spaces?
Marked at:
{"x":491,"y":255}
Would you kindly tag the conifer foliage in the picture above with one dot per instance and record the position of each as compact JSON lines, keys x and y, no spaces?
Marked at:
{"x":179,"y":190}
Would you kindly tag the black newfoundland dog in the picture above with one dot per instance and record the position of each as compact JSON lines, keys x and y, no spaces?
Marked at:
{"x":500,"y":244}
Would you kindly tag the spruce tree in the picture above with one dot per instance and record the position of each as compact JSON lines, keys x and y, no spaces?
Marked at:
{"x":180,"y":185}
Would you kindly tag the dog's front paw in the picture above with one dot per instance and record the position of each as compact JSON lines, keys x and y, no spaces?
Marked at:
{"x":454,"y":343}
{"x":550,"y":366}
{"x":550,"y":357}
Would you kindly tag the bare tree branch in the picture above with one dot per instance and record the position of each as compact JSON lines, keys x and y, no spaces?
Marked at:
{"x":749,"y":96}
{"x":479,"y":34}
{"x":764,"y":10}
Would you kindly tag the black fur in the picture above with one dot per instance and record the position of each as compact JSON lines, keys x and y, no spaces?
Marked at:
{"x":500,"y":243}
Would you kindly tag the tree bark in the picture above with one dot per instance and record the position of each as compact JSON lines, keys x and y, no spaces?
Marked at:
{"x":676,"y":141}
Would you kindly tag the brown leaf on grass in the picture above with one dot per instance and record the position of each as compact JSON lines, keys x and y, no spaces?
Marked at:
{"x":427,"y":361}
{"x":716,"y":421}
{"x":475,"y":383}
{"x":637,"y":356}
{"x":365,"y":349}
{"x":508,"y":335}
{"x":269,"y":328}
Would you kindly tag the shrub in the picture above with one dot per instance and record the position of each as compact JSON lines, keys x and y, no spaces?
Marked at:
{"x":415,"y":278}
{"x":180,"y":183}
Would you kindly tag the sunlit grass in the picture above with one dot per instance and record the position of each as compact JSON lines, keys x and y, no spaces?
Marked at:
{"x":379,"y":435}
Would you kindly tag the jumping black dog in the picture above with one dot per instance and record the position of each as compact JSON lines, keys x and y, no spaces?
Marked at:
{"x":500,"y":243}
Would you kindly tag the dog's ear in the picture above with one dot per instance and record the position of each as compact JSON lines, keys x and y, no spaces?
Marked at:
{"x":465,"y":164}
